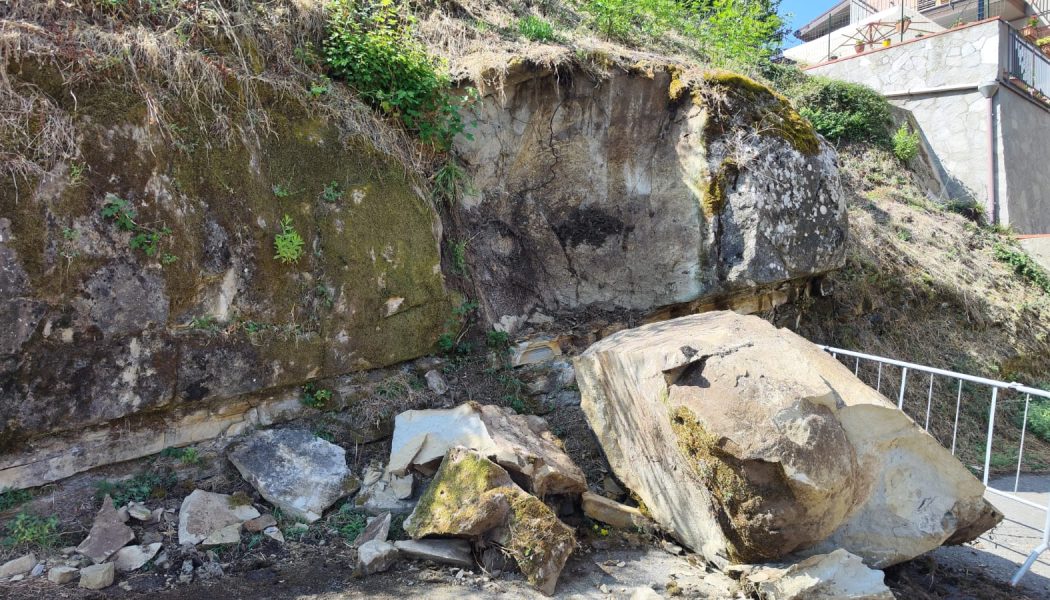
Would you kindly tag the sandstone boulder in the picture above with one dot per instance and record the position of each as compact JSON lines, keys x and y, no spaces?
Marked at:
{"x":97,"y":577}
{"x":108,"y":534}
{"x":447,"y":552}
{"x":750,"y":443}
{"x":835,"y":576}
{"x":473,"y":497}
{"x":62,"y":574}
{"x":203,"y":514}
{"x":18,"y":565}
{"x":521,"y":444}
{"x":132,"y":558}
{"x":297,"y":471}
{"x":375,"y":556}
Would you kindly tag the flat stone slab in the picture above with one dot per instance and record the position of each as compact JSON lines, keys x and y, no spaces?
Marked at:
{"x":295,"y":470}
{"x":204,"y":513}
{"x":133,"y":558}
{"x":62,"y":574}
{"x":108,"y":534}
{"x":22,"y":564}
{"x":375,"y":557}
{"x":449,"y":552}
{"x":97,"y":577}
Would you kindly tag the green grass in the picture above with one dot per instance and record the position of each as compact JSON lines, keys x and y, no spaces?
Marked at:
{"x":1024,"y":266}
{"x":11,"y":498}
{"x":140,"y":488}
{"x":535,"y":29}
{"x":348,"y":521}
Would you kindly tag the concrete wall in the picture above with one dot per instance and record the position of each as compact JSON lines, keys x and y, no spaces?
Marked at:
{"x":1025,"y":163}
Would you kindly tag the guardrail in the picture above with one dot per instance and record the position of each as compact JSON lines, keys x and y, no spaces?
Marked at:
{"x":1028,"y":64}
{"x":1001,"y":392}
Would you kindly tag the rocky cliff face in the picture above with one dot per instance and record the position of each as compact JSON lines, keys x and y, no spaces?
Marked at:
{"x":642,"y":189}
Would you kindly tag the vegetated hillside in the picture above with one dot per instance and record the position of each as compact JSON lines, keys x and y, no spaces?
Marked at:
{"x":925,"y":284}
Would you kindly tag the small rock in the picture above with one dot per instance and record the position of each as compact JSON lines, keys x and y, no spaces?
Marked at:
{"x":150,"y":537}
{"x":644,"y":593}
{"x":37,"y":571}
{"x":97,"y":577}
{"x":613,"y":513}
{"x":122,"y":514}
{"x":19,"y":565}
{"x":231,"y":534}
{"x":436,"y":382}
{"x":204,"y":513}
{"x":139,"y":512}
{"x":61,"y":575}
{"x":834,"y":576}
{"x":378,"y":528}
{"x":186,"y":572}
{"x":18,"y":577}
{"x":611,"y":489}
{"x":68,"y":550}
{"x":449,"y":552}
{"x":671,"y":548}
{"x":163,"y":562}
{"x":386,"y":494}
{"x":375,"y":557}
{"x":295,"y":470}
{"x":108,"y":534}
{"x":274,"y":533}
{"x":157,"y":515}
{"x":401,"y":487}
{"x":603,"y":588}
{"x":534,"y":351}
{"x":132,"y":558}
{"x":260,"y":523}
{"x":621,"y":564}
{"x":209,"y":570}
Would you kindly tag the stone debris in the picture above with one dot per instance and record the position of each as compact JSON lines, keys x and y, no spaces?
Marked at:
{"x":473,"y":497}
{"x":204,"y":513}
{"x":378,"y":528}
{"x":22,"y":564}
{"x":613,"y":513}
{"x":375,"y":557}
{"x":449,"y":552}
{"x":186,"y":571}
{"x":139,"y":512}
{"x":260,"y":523}
{"x":231,"y":534}
{"x":695,"y":412}
{"x":383,"y":492}
{"x":108,"y":534}
{"x":297,"y":471}
{"x":97,"y":577}
{"x":835,"y":576}
{"x":132,"y":558}
{"x":38,"y":570}
{"x":62,"y":574}
{"x":436,"y":382}
{"x":274,"y":534}
{"x":536,"y":350}
{"x":521,"y":444}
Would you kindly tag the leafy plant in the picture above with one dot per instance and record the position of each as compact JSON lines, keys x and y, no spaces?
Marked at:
{"x":371,"y":46}
{"x":843,"y":111}
{"x":498,"y":340}
{"x":288,"y":243}
{"x":76,"y":173}
{"x":458,"y":251}
{"x":535,"y":29}
{"x":449,"y":341}
{"x":143,"y":238}
{"x":12,"y":498}
{"x":280,"y":190}
{"x":119,"y":210}
{"x":141,"y":487}
{"x":320,"y":87}
{"x":30,"y":530}
{"x":315,"y":397}
{"x":186,"y":456}
{"x":449,"y":183}
{"x":905,"y":144}
{"x":332,"y":193}
{"x":1024,"y":266}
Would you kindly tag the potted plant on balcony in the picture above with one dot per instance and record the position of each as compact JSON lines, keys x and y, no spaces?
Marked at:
{"x":1029,"y":30}
{"x":1044,"y":44}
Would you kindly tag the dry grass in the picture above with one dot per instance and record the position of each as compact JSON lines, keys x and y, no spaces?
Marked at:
{"x":923,"y":285}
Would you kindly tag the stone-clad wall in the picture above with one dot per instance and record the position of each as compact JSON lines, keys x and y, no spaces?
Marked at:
{"x":1025,"y":127}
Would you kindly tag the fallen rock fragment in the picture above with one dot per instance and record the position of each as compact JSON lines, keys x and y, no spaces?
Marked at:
{"x":139,"y":512}
{"x":132,"y":558}
{"x":518,"y":443}
{"x":62,"y":574}
{"x":749,"y":443}
{"x":295,"y":470}
{"x":383,"y":492}
{"x":436,"y":382}
{"x":260,"y":523}
{"x":473,"y":497}
{"x":375,"y":557}
{"x":613,"y":513}
{"x":231,"y":534}
{"x":274,"y":534}
{"x":97,"y":577}
{"x":378,"y":528}
{"x":449,"y":552}
{"x":108,"y":534}
{"x":22,"y":564}
{"x":537,"y":350}
{"x":835,"y":576}
{"x":204,"y":513}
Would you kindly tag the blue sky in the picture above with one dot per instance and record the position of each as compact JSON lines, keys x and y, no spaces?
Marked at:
{"x":802,"y":12}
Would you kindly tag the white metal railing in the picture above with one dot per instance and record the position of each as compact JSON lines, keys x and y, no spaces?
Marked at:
{"x":996,"y":387}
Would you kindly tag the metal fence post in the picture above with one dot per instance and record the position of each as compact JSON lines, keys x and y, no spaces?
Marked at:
{"x":991,"y":430}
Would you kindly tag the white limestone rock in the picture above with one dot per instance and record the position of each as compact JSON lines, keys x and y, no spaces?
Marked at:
{"x":204,"y":513}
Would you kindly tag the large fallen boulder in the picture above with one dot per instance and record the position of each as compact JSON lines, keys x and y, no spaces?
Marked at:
{"x":750,"y":443}
{"x":521,"y":444}
{"x":473,"y":497}
{"x":297,"y":471}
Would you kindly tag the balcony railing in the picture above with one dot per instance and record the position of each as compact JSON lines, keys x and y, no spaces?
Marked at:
{"x":1027,"y":64}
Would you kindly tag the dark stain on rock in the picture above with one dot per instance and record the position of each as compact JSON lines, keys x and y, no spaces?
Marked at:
{"x":590,"y":226}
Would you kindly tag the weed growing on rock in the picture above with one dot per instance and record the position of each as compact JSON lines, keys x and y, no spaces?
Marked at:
{"x":535,"y":29}
{"x":281,"y":191}
{"x":143,"y":238}
{"x":12,"y":498}
{"x":140,"y":488}
{"x":288,"y":243}
{"x":332,"y":193}
{"x":458,"y":250}
{"x":186,"y":456}
{"x":498,"y":340}
{"x":348,"y":521}
{"x":905,"y":144}
{"x":315,"y":397}
{"x":451,"y":341}
{"x":450,"y":182}
{"x":27,"y":530}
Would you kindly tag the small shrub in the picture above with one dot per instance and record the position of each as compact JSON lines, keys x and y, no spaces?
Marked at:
{"x":1038,"y":419}
{"x":498,"y":340}
{"x":1024,"y":266}
{"x":315,"y":397}
{"x":967,"y":207}
{"x":843,"y":111}
{"x":905,"y":144}
{"x":332,"y":193}
{"x":30,"y":530}
{"x":12,"y":498}
{"x":458,"y":250}
{"x":281,"y":190}
{"x":535,"y":29}
{"x":139,"y":488}
{"x":119,"y":210}
{"x":449,"y":183}
{"x":186,"y":456}
{"x":143,"y":238}
{"x":288,"y":243}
